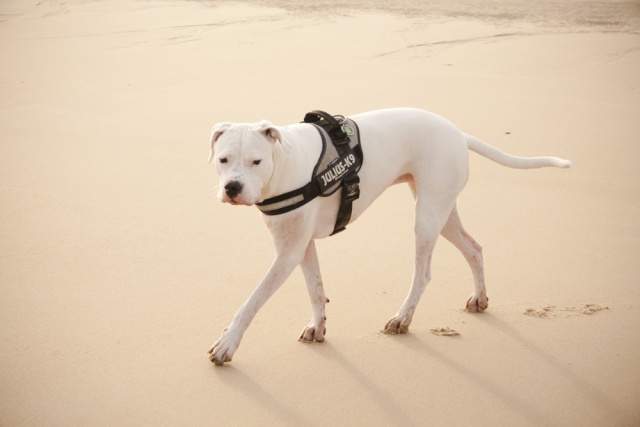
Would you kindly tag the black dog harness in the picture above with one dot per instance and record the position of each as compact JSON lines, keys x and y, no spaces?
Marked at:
{"x":339,"y":164}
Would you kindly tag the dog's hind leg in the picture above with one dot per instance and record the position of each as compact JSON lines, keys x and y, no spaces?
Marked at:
{"x":316,"y":329}
{"x":472,"y":251}
{"x":429,"y":222}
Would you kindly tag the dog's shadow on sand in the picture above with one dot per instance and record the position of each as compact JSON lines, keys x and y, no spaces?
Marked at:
{"x":267,"y":399}
{"x":289,"y":414}
{"x":384,"y":399}
{"x":387,"y":403}
{"x":581,"y":386}
{"x":419,"y":343}
{"x":590,"y":393}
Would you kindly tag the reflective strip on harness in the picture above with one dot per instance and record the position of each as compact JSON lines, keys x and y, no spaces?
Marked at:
{"x":283,"y":204}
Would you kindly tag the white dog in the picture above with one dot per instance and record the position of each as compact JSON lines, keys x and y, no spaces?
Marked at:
{"x":260,"y":161}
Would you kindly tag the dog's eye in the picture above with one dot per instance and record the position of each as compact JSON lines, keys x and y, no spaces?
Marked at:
{"x":223,"y":160}
{"x":256,"y":162}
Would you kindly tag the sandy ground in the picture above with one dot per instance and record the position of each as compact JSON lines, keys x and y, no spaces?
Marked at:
{"x":118,"y":268}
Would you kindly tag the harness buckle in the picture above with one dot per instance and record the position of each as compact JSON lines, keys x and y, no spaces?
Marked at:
{"x":351,"y":188}
{"x":339,"y":137}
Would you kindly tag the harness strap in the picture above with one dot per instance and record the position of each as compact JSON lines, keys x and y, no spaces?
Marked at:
{"x":350,"y":192}
{"x":351,"y":182}
{"x":339,"y":137}
{"x":289,"y":201}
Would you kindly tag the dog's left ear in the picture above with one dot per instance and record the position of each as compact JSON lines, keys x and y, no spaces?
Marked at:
{"x":269,"y":131}
{"x":218,"y":130}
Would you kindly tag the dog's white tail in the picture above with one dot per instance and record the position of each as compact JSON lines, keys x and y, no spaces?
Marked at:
{"x":508,"y":160}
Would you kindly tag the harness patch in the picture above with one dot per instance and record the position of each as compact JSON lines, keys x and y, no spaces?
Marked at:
{"x":338,"y":159}
{"x":330,"y":178}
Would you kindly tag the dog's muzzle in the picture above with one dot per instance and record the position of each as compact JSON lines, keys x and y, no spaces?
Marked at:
{"x":232,"y":189}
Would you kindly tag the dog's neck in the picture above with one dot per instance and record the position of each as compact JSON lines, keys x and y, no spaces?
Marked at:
{"x":301,"y":145}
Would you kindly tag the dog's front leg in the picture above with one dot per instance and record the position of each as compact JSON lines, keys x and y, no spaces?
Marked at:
{"x":316,"y":329}
{"x":223,"y":349}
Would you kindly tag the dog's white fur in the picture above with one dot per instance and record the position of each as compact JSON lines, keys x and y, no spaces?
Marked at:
{"x":426,"y":151}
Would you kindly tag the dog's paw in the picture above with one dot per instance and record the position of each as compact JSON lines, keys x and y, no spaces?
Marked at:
{"x":398,"y":324}
{"x":313,"y":332}
{"x":223,"y":349}
{"x":477,"y":303}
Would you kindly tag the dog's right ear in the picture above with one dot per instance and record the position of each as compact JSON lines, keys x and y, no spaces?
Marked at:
{"x":218,"y":130}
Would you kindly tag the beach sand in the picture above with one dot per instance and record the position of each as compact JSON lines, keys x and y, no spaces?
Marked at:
{"x":119,"y":268}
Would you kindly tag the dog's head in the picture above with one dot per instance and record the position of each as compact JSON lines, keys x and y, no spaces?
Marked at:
{"x":243,"y":157}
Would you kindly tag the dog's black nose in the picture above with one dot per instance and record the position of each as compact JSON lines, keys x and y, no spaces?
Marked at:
{"x":233,"y":188}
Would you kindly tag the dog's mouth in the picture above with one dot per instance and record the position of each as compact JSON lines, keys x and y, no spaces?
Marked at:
{"x":236,"y":201}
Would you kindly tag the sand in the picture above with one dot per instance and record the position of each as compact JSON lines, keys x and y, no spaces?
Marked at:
{"x":119,"y":268}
